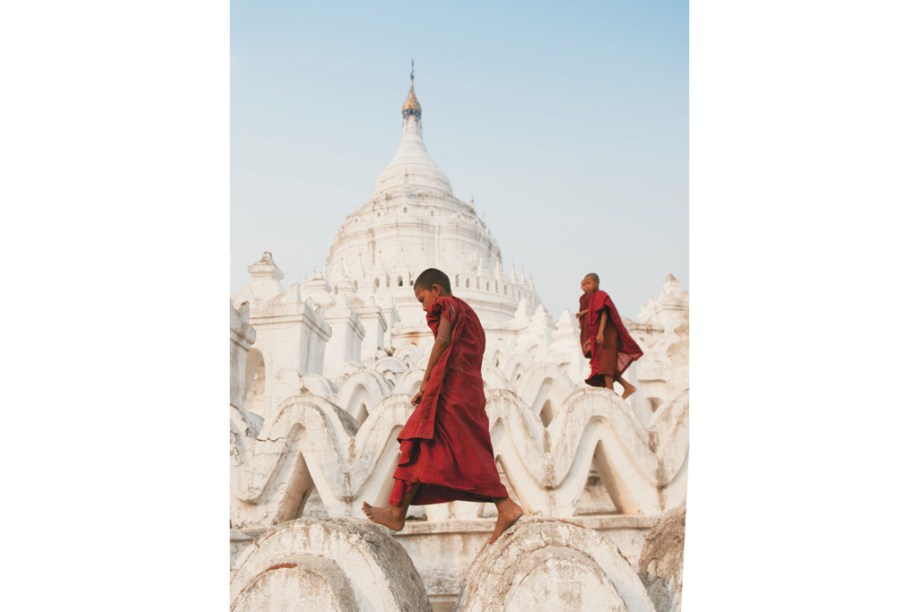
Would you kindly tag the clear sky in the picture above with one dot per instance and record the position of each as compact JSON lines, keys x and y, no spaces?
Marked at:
{"x":567,"y":123}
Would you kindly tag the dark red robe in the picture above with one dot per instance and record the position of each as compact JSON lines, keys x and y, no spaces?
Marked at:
{"x":445,"y":444}
{"x":618,"y":350}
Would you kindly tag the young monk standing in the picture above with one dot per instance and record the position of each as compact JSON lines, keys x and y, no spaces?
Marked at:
{"x":604,"y":338}
{"x":446,"y":451}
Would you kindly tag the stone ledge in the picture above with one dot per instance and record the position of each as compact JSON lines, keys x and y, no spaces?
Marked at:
{"x":246,"y":535}
{"x":599,"y":522}
{"x":486,"y":525}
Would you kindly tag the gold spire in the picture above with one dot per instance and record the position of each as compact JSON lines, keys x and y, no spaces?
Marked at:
{"x":411,"y":106}
{"x":411,"y":102}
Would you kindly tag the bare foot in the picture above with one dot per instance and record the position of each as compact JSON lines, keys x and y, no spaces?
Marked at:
{"x":388,"y":516}
{"x":508,"y":514}
{"x":627,"y":389}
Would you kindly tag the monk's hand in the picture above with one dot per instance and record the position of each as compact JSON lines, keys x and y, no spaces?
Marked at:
{"x":417,"y":399}
{"x":599,"y":336}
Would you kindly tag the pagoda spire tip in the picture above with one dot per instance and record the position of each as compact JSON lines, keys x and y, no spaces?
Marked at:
{"x":411,"y":105}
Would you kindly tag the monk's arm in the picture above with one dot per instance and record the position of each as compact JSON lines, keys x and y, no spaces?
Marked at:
{"x":441,"y":342}
{"x":602,"y":326}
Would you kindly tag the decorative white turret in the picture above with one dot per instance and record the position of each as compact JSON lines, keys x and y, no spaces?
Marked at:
{"x":290,"y":337}
{"x":670,"y":308}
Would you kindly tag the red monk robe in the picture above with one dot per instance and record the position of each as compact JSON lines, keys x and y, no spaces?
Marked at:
{"x":445,"y":444}
{"x":618,"y":350}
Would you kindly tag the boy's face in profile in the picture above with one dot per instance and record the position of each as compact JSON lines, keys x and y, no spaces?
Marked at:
{"x":589,"y":285}
{"x":427,"y":296}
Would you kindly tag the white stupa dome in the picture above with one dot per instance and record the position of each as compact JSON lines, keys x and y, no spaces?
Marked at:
{"x":411,"y":222}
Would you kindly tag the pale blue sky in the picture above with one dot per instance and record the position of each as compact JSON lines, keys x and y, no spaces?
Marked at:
{"x":568,"y":123}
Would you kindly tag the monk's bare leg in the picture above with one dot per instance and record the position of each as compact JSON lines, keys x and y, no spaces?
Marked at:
{"x":391,"y":516}
{"x":628,"y":388}
{"x":508,"y":514}
{"x":608,"y":381}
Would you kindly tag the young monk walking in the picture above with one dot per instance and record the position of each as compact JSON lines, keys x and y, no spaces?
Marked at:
{"x":604,"y":338}
{"x":446,"y":451}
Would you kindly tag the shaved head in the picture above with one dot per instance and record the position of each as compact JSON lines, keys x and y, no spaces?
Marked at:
{"x":431,"y":277}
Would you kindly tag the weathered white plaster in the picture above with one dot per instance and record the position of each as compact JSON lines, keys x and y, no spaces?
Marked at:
{"x":551,"y":565}
{"x":331,"y":564}
{"x":443,"y":551}
{"x":661,"y":564}
{"x":242,"y":336}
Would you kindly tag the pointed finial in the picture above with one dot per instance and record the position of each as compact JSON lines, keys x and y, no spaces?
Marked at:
{"x":411,"y":106}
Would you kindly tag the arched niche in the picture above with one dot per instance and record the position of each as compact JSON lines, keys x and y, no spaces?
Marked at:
{"x":254,"y":389}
